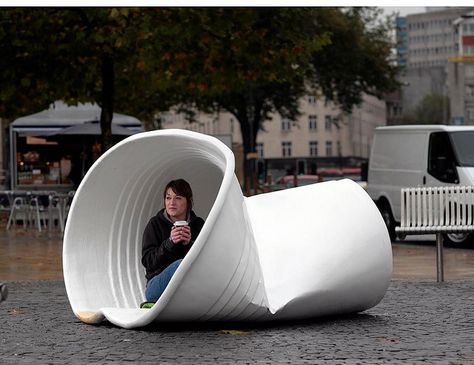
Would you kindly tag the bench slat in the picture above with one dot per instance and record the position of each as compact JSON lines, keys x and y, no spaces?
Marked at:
{"x":437,"y":209}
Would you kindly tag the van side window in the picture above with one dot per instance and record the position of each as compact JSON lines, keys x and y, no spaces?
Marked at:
{"x":441,"y":159}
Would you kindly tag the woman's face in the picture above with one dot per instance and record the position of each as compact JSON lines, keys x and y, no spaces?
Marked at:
{"x":176,"y":205}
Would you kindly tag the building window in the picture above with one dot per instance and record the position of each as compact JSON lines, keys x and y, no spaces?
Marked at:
{"x":327,"y":122}
{"x":313,"y":122}
{"x":470,"y":113}
{"x":328,"y":148}
{"x":312,"y":99}
{"x":259,"y":149}
{"x":286,"y":149}
{"x":313,"y":148}
{"x":285,"y":125}
{"x":470,"y":90}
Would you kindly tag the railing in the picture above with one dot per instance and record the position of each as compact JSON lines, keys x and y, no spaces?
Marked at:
{"x":437,"y":210}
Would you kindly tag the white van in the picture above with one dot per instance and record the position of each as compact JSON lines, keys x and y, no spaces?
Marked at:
{"x":418,"y":155}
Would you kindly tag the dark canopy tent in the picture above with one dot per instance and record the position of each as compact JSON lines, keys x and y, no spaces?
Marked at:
{"x":36,"y":161}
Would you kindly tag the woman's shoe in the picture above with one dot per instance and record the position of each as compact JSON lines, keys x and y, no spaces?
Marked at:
{"x":147,"y":305}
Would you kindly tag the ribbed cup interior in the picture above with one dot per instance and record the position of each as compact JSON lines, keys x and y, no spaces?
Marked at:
{"x":117,"y":197}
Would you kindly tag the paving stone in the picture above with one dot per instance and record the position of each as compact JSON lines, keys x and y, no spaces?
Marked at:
{"x":416,"y":323}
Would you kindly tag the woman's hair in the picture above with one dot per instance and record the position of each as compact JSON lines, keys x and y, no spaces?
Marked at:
{"x":180,"y":187}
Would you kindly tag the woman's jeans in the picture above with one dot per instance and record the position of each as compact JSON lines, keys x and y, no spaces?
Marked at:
{"x":157,"y":285}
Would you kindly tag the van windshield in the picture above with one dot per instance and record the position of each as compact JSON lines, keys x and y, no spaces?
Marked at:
{"x":463,"y":143}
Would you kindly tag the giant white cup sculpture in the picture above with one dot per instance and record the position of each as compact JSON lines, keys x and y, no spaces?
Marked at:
{"x":309,"y":251}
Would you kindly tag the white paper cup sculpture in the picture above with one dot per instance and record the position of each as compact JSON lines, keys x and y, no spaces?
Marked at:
{"x":309,"y":251}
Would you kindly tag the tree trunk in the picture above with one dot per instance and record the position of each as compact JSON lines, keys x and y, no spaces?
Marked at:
{"x":107,"y":112}
{"x":249,"y":137}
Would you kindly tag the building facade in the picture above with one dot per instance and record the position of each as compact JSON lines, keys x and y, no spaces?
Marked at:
{"x":461,"y":72}
{"x":321,"y":137}
{"x":431,"y":40}
{"x":402,"y":41}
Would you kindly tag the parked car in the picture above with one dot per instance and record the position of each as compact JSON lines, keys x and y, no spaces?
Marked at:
{"x":338,"y":173}
{"x":288,"y":181}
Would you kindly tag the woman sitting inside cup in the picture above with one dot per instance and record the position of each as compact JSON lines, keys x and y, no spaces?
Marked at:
{"x":168,"y":237}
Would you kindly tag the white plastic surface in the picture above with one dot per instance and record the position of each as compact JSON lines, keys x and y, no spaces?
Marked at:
{"x":314,"y":250}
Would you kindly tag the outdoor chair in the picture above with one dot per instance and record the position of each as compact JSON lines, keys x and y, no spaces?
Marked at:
{"x":6,"y":200}
{"x":38,"y":213}
{"x":66,"y":204}
{"x":56,"y":211}
{"x":20,"y":211}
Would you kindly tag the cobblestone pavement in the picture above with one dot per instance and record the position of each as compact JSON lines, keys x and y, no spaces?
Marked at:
{"x":416,"y":322}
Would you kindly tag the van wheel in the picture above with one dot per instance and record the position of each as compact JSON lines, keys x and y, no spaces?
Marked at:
{"x":458,"y":239}
{"x":387,"y":216}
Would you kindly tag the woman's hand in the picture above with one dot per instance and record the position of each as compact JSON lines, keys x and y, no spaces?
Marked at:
{"x":181,"y":234}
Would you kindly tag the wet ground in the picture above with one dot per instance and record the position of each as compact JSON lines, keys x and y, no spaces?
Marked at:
{"x":415,"y":259}
{"x":30,"y":255}
{"x":415,"y":323}
{"x":419,"y":321}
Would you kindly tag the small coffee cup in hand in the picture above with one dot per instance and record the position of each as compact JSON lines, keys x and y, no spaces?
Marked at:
{"x":181,"y":232}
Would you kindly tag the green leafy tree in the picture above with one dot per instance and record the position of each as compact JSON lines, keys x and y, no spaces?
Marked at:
{"x":251,"y":62}
{"x":77,"y":55}
{"x":432,"y":109}
{"x":254,"y":62}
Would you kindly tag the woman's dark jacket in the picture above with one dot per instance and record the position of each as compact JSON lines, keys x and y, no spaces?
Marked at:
{"x":158,"y":251}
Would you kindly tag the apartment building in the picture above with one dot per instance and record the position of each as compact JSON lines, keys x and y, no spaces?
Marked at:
{"x":430,"y":39}
{"x":321,"y":137}
{"x":402,"y":41}
{"x":461,"y":72}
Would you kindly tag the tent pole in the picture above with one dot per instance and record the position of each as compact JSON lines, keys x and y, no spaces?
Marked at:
{"x":13,"y":161}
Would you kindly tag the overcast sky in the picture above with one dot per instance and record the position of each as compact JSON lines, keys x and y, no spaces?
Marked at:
{"x":405,"y":10}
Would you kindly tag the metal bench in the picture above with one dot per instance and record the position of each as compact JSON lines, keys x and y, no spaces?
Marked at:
{"x":438,"y":210}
